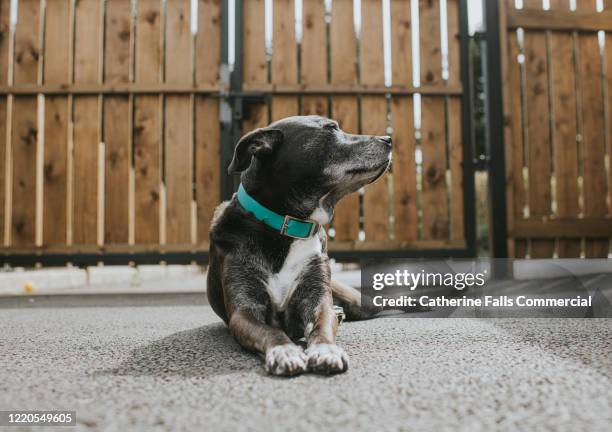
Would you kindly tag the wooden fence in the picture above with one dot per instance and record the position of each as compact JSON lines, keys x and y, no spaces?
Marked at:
{"x":111,"y":124}
{"x":109,"y":117}
{"x":558,"y":101}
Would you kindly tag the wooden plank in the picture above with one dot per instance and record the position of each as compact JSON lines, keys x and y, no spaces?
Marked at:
{"x":255,"y":70}
{"x":401,"y":43}
{"x":515,"y":144}
{"x":430,"y":50}
{"x":55,"y":180}
{"x":178,"y":168}
{"x":147,"y":124}
{"x":4,"y":143}
{"x":148,"y":42}
{"x":404,"y":169}
{"x":27,"y":44}
{"x":455,"y":145}
{"x":402,"y":117}
{"x":284,"y":58}
{"x":208,"y":153}
{"x":5,"y":36}
{"x":3,"y":171}
{"x":207,"y":150}
{"x":608,"y":72}
{"x":56,"y":70}
{"x":454,"y":43}
{"x":592,"y":130}
{"x":86,"y":133}
{"x":454,"y":122}
{"x":564,"y":109}
{"x":387,"y":245}
{"x":178,"y":137}
{"x":117,"y":139}
{"x":538,"y":19}
{"x":116,"y":168}
{"x":208,"y":89}
{"x":147,"y":171}
{"x":374,"y":117}
{"x":567,"y":228}
{"x":314,"y":56}
{"x":24,"y":140}
{"x":208,"y":42}
{"x":434,"y":195}
{"x":538,"y":134}
{"x":344,"y":108}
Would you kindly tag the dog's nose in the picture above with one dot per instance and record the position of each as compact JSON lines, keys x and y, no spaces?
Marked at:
{"x":386,"y":139}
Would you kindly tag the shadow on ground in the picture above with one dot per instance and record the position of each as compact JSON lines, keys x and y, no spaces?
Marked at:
{"x":590,"y":345}
{"x":201,"y":352}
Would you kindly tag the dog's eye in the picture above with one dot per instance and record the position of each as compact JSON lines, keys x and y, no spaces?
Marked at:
{"x":332,"y":126}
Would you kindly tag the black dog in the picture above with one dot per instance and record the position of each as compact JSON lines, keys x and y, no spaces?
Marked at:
{"x":269,"y":276}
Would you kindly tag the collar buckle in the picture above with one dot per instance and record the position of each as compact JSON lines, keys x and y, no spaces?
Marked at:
{"x":314,"y":227}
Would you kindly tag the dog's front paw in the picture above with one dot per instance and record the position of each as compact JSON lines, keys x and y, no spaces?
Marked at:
{"x":286,"y":360}
{"x":326,"y":358}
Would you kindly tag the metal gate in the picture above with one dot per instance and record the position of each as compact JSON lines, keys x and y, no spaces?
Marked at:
{"x":120,"y":119}
{"x":354,"y":62}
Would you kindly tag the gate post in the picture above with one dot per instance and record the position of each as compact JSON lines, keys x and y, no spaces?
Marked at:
{"x":495,"y":135}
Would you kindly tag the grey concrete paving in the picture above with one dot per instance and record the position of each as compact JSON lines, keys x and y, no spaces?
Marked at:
{"x":160,"y":365}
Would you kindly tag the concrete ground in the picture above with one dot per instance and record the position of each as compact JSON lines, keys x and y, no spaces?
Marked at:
{"x":166,"y":363}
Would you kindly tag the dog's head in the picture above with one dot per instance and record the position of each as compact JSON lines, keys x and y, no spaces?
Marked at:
{"x":303,"y":163}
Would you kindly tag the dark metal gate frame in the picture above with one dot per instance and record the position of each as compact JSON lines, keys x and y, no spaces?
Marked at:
{"x":233,"y":100}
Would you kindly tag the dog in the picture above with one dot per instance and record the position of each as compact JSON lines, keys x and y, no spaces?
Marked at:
{"x":269,"y":276}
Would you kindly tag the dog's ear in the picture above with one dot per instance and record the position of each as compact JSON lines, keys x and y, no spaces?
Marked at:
{"x":258,"y":143}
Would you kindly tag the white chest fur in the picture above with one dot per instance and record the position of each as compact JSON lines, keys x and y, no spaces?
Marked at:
{"x":282,"y":284}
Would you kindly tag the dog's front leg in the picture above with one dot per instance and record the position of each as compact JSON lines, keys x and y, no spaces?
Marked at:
{"x":282,"y":356}
{"x":313,"y":304}
{"x":324,"y":355}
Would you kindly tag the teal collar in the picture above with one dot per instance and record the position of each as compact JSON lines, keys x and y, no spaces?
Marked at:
{"x":287,"y":225}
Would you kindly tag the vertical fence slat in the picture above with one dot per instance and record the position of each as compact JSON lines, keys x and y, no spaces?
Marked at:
{"x":25,"y":125}
{"x":515,"y":144}
{"x":86,"y":120}
{"x":454,"y":122}
{"x":284,"y":58}
{"x":56,"y":70}
{"x":430,"y":52}
{"x":5,"y":6}
{"x":255,"y":69}
{"x":314,"y":56}
{"x":374,"y":116}
{"x":178,"y":136}
{"x":117,"y":140}
{"x":208,"y":42}
{"x":402,"y":116}
{"x":592,"y":130}
{"x":455,"y":144}
{"x":538,"y":134}
{"x":563,"y":102}
{"x":344,"y":108}
{"x":608,"y":72}
{"x":434,"y":196}
{"x":147,"y":124}
{"x":207,"y":153}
